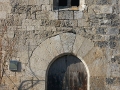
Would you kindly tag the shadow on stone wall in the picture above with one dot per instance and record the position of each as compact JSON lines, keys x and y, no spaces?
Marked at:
{"x":27,"y":84}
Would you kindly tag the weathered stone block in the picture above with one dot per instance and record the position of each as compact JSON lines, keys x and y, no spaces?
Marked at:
{"x":46,"y":7}
{"x":5,"y":1}
{"x":5,"y":7}
{"x":90,"y":2}
{"x":113,"y":2}
{"x":41,"y":28}
{"x":26,"y":22}
{"x":113,"y":44}
{"x":53,"y":15}
{"x":20,"y":9}
{"x":113,"y":69}
{"x":117,"y":58}
{"x":112,"y":31}
{"x":77,"y":44}
{"x":78,"y":14}
{"x":104,"y":22}
{"x":64,"y":23}
{"x":44,"y":1}
{"x":101,"y":30}
{"x":98,"y":67}
{"x":111,"y":16}
{"x":92,"y":55}
{"x":115,"y":87}
{"x":113,"y":38}
{"x":83,"y":22}
{"x":30,"y":28}
{"x":45,"y":22}
{"x":110,"y":80}
{"x":68,"y":40}
{"x":32,"y":2}
{"x":65,"y":15}
{"x":106,"y":9}
{"x":10,"y":34}
{"x":3,"y":14}
{"x":65,"y":29}
{"x":86,"y":46}
{"x":73,"y":23}
{"x":39,"y":57}
{"x":51,"y":28}
{"x":3,"y":87}
{"x":102,"y":9}
{"x":102,"y":2}
{"x":36,"y":22}
{"x":97,"y":83}
{"x":100,"y":16}
{"x":115,"y":22}
{"x":55,"y":47}
{"x":99,"y":38}
{"x":42,"y":15}
{"x":101,"y":44}
{"x":21,"y":2}
{"x":113,"y":81}
{"x":89,"y":30}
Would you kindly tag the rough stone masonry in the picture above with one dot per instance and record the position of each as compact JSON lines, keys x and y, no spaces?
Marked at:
{"x":33,"y":33}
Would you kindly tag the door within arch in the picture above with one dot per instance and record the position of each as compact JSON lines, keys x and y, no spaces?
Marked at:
{"x":67,"y":73}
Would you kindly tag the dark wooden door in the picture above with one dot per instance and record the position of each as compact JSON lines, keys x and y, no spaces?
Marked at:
{"x":67,"y":73}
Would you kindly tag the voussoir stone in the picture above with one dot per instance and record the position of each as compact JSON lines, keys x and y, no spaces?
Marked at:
{"x":55,"y":46}
{"x":68,"y":40}
{"x":77,"y":44}
{"x":86,"y":46}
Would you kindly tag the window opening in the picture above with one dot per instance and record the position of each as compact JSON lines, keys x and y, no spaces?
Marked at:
{"x":62,"y":2}
{"x":74,"y":2}
{"x":67,"y":4}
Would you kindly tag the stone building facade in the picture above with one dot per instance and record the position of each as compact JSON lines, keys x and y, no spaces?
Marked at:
{"x":36,"y":32}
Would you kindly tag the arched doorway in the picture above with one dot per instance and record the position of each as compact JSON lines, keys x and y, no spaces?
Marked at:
{"x":67,"y":73}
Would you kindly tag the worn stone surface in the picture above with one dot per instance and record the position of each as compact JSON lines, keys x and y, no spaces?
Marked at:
{"x":97,"y":83}
{"x":36,"y":32}
{"x":78,"y":14}
{"x":86,"y":46}
{"x":67,"y":41}
{"x":102,"y":9}
{"x":93,"y":59}
{"x":56,"y":47}
{"x":65,"y":15}
{"x":77,"y":44}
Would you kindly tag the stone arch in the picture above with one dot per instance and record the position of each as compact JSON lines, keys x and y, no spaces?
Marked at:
{"x":60,"y":44}
{"x":63,"y":54}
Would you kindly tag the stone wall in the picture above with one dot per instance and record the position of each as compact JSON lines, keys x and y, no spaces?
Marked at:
{"x":32,"y":33}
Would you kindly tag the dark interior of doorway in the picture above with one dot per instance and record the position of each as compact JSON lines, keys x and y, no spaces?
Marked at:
{"x":67,"y":73}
